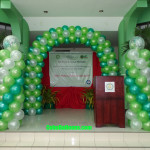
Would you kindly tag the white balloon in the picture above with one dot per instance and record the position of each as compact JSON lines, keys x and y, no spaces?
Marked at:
{"x":9,"y":63}
{"x":137,"y":42}
{"x":11,"y":42}
{"x":66,"y":33}
{"x":32,"y":74}
{"x":78,"y":33}
{"x":133,"y":54}
{"x":3,"y":72}
{"x":1,"y":80}
{"x":43,"y":41}
{"x":140,"y":63}
{"x":107,"y":50}
{"x":32,"y":99}
{"x":130,"y":115}
{"x":111,"y":62}
{"x":32,"y":112}
{"x":19,"y":115}
{"x":32,"y":87}
{"x":13,"y":124}
{"x":136,"y":124}
{"x":54,"y":35}
{"x":90,"y":35}
{"x":36,"y":51}
{"x":113,"y":73}
{"x":146,"y":72}
{"x":33,"y":62}
{"x":15,"y":55}
{"x":101,"y":40}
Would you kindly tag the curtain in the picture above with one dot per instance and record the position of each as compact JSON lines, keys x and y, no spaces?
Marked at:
{"x":69,"y":97}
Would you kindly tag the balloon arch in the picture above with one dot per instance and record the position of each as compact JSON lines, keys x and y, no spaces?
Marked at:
{"x":20,"y":82}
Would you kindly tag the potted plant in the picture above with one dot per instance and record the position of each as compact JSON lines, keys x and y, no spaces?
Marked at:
{"x":88,"y":98}
{"x":49,"y":98}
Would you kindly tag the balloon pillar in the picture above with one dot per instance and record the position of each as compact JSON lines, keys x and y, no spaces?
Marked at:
{"x":11,"y":84}
{"x":138,"y":84}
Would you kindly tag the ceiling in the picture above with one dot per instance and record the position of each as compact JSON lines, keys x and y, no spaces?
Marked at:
{"x":73,"y":8}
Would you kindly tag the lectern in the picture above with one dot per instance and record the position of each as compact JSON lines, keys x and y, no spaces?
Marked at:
{"x":109,"y":101}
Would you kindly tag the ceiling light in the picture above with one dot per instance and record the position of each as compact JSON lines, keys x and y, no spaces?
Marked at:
{"x":101,"y":11}
{"x":45,"y":11}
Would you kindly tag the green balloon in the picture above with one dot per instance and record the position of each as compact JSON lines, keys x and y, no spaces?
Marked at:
{"x":28,"y":93}
{"x":43,"y":49}
{"x":72,"y":38}
{"x":20,"y":64}
{"x":104,"y":58}
{"x":112,"y":55}
{"x":20,"y":98}
{"x":59,"y":30}
{"x":130,"y":97}
{"x":28,"y":68}
{"x":46,"y":35}
{"x":115,"y":68}
{"x":28,"y":81}
{"x":144,"y":54}
{"x":3,"y":125}
{"x":7,"y":115}
{"x":107,"y":44}
{"x":27,"y":105}
{"x":146,"y":89}
{"x":67,"y":41}
{"x":87,"y":43}
{"x":15,"y":72}
{"x":96,"y":34}
{"x":36,"y":105}
{"x":36,"y":44}
{"x":4,"y":54}
{"x":71,"y":29}
{"x":14,"y":106}
{"x":36,"y":93}
{"x":3,"y":89}
{"x":30,"y":56}
{"x":8,"y":81}
{"x":133,"y":72}
{"x":135,"y":107}
{"x":38,"y":69}
{"x":39,"y":58}
{"x":83,"y":39}
{"x":93,"y":41}
{"x":146,"y":126}
{"x":141,"y":81}
{"x":36,"y":81}
{"x":78,"y":41}
{"x":84,"y":30}
{"x":143,"y":116}
{"x":100,"y":48}
{"x":51,"y":42}
{"x":61,"y":39}
{"x":107,"y":69}
{"x":129,"y":64}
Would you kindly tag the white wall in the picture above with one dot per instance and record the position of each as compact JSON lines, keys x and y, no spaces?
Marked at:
{"x":97,"y":23}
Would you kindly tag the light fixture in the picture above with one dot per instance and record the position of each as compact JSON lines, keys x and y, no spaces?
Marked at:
{"x":45,"y":11}
{"x":101,"y":11}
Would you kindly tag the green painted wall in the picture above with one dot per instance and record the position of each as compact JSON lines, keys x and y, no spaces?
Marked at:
{"x":9,"y":14}
{"x":140,"y":12}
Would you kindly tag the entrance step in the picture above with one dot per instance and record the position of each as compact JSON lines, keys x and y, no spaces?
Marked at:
{"x":74,"y":141}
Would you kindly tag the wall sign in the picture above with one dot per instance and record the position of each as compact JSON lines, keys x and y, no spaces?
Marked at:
{"x":109,"y":86}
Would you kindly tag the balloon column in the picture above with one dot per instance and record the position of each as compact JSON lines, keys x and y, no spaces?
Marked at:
{"x":55,"y":37}
{"x":11,"y":84}
{"x":138,"y":84}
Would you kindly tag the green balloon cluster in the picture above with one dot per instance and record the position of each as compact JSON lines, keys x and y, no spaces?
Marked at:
{"x":137,"y":81}
{"x":53,"y":38}
{"x":11,"y":84}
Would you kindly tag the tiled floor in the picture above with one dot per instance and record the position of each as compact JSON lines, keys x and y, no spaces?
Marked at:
{"x":71,"y":117}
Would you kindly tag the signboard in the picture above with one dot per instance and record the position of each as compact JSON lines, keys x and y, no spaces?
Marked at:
{"x":109,"y":86}
{"x":71,"y":69}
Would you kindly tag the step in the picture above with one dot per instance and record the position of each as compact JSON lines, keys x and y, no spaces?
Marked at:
{"x":74,"y":140}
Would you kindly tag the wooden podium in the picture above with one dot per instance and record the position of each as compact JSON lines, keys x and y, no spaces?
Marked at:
{"x":109,"y":101}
